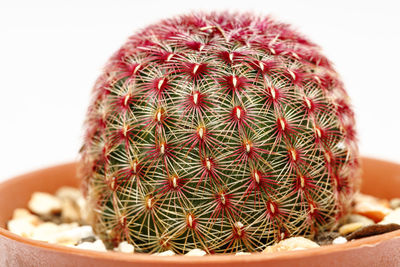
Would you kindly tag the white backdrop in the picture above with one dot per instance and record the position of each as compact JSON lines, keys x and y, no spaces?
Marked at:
{"x":52,"y":51}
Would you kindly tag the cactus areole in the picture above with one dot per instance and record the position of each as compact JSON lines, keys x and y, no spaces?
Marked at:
{"x":224,"y":132}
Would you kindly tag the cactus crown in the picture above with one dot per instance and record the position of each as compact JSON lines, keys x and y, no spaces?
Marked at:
{"x":220,"y":131}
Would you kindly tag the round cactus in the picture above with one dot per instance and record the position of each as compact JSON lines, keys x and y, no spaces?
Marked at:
{"x":220,"y":131}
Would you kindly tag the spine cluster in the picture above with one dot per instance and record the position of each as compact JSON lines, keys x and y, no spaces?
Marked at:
{"x":220,"y":131}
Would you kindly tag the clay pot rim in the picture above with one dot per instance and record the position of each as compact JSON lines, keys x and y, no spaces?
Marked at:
{"x":149,"y":258}
{"x":142,"y":257}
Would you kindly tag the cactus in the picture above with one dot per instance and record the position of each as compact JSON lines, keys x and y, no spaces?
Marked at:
{"x":221,"y":131}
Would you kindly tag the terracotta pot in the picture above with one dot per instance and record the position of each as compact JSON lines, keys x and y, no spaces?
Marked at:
{"x":381,"y":179}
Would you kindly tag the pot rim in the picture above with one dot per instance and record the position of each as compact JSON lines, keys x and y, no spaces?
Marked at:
{"x":254,"y":257}
{"x":180,"y":259}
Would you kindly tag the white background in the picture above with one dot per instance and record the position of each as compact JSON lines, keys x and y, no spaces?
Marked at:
{"x":52,"y":51}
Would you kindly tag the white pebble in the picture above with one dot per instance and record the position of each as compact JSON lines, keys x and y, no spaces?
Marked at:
{"x":242,"y":253}
{"x":45,"y":232}
{"x":73,"y":235}
{"x":165,"y":253}
{"x":21,"y":213}
{"x":68,"y":226}
{"x":53,"y":233}
{"x":67,"y":192}
{"x":125,"y":247}
{"x":350,"y":228}
{"x":196,"y":252}
{"x":82,"y":206}
{"x":70,"y":211}
{"x":356,"y":218}
{"x":292,"y":243}
{"x":24,"y":214}
{"x":392,"y":217}
{"x":339,"y":240}
{"x":395,"y":203}
{"x":299,"y":248}
{"x":44,"y":204}
{"x":21,"y":227}
{"x":98,"y":245}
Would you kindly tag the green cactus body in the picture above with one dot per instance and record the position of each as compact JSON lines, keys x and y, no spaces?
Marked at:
{"x":224,"y":132}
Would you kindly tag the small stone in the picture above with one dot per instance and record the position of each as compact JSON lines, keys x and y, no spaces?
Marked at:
{"x":196,"y":252}
{"x":299,"y":248}
{"x":125,"y":247}
{"x":371,"y":207}
{"x":45,"y":232}
{"x":242,"y":253}
{"x":165,"y":253}
{"x":82,"y":206}
{"x":392,"y":217}
{"x":350,"y":227}
{"x":360,"y":198}
{"x":292,"y":243}
{"x":395,"y":203}
{"x":20,"y":213}
{"x":24,"y":214}
{"x":73,"y":235}
{"x":23,"y":223}
{"x":67,"y":226}
{"x":352,"y":218}
{"x":44,"y":204}
{"x":67,"y":192}
{"x":73,"y":204}
{"x":70,"y":212}
{"x":339,"y":240}
{"x":325,"y":237}
{"x":375,"y":229}
{"x":54,"y":233}
{"x":98,"y":245}
{"x":22,"y":227}
{"x":88,"y":239}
